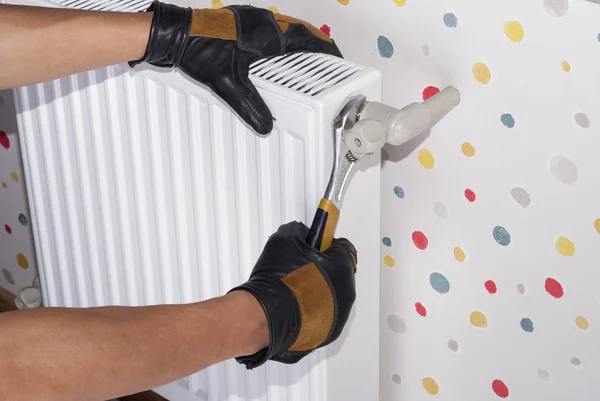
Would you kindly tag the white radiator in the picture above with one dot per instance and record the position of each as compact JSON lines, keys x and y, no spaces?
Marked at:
{"x":146,"y":189}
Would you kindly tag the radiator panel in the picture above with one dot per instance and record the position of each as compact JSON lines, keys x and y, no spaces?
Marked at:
{"x":146,"y":189}
{"x":141,"y":189}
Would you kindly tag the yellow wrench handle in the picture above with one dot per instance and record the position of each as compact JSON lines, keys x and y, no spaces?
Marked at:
{"x":323,"y":226}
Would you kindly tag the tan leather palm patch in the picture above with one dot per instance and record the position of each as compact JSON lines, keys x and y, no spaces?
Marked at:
{"x":284,"y":21}
{"x":216,"y":24}
{"x":316,"y":306}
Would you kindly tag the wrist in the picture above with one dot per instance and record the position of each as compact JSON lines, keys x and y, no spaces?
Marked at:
{"x":252,"y":322}
{"x":168,"y":34}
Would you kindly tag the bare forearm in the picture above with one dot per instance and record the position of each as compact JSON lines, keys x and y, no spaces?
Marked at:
{"x":99,"y":353}
{"x":38,"y":44}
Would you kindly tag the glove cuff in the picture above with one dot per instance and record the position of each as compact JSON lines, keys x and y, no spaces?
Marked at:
{"x":283,"y":317}
{"x":168,"y":35}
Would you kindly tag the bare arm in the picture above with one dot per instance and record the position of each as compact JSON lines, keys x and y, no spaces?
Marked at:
{"x":39,"y":44}
{"x":99,"y":353}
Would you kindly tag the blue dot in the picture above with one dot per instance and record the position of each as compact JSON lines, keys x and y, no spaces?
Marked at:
{"x":507,"y":120}
{"x":399,"y":192}
{"x":387,"y":241}
{"x":501,"y":235}
{"x":527,"y":324}
{"x":439,"y":282}
{"x":386,"y":49}
{"x":450,"y":20}
{"x":22,"y":219}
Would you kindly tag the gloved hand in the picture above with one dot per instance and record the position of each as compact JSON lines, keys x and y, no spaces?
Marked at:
{"x":307,"y":295}
{"x":217,"y":47}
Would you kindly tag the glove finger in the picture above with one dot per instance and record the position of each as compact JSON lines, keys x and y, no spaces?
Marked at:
{"x":241,"y":94}
{"x":301,"y":39}
{"x":303,"y":36}
{"x":343,"y":244}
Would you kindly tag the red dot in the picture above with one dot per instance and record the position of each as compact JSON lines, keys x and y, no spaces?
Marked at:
{"x":491,"y":287}
{"x":500,"y":388}
{"x":430,"y":91}
{"x":4,"y":141}
{"x":420,"y":309}
{"x":470,"y":195}
{"x":326,"y":30}
{"x":554,"y":288}
{"x":420,"y":240}
{"x":8,"y":229}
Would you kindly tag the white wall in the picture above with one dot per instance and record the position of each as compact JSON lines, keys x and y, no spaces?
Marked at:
{"x":18,"y":266}
{"x":547,"y":153}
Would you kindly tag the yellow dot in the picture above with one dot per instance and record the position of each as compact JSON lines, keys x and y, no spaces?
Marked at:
{"x":400,"y":3}
{"x":343,"y":2}
{"x":597,"y":225}
{"x":22,"y":261}
{"x":426,"y":159}
{"x":389,"y":261}
{"x":565,"y":247}
{"x":431,"y":386}
{"x":14,"y":176}
{"x":459,"y":254}
{"x":514,"y":30}
{"x":481,"y":72}
{"x":582,"y":323}
{"x":566,"y":67}
{"x":468,"y":149}
{"x":478,"y":319}
{"x":217,"y":4}
{"x":274,"y":9}
{"x":4,"y":185}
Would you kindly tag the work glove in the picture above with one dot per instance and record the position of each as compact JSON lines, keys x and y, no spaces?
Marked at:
{"x":307,"y":295}
{"x":217,"y":47}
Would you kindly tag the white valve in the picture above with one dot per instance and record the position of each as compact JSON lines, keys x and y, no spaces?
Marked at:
{"x":28,"y":297}
{"x":367,"y":136}
{"x":380,"y":124}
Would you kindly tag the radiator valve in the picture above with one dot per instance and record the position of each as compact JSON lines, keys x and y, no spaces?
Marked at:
{"x":379,"y":124}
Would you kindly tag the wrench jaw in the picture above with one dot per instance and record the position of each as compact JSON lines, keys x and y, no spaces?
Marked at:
{"x":344,"y":161}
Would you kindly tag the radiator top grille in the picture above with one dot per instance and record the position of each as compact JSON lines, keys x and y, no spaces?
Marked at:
{"x":106,"y":5}
{"x":308,"y":73}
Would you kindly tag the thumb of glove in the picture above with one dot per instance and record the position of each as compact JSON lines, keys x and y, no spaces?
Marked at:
{"x":245,"y":98}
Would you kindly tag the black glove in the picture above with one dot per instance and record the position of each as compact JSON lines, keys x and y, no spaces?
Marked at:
{"x":307,"y":295}
{"x":217,"y":47}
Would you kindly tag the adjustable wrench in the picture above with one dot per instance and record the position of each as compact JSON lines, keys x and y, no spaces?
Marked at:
{"x":361,"y":129}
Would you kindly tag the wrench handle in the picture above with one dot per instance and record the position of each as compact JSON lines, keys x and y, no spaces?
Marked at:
{"x":323,"y":226}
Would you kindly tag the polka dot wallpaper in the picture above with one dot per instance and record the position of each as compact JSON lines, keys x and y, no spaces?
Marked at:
{"x":17,"y":256}
{"x":490,"y":227}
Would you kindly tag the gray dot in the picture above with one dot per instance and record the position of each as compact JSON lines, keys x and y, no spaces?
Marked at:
{"x":426,"y":50}
{"x":453,"y":345}
{"x":564,"y":170}
{"x":8,"y":276}
{"x":576,"y":361}
{"x":582,"y":120}
{"x":520,"y":288}
{"x":396,"y":323}
{"x":396,"y":378}
{"x":556,"y":8}
{"x":440,"y":209}
{"x":521,"y":196}
{"x":544,"y":375}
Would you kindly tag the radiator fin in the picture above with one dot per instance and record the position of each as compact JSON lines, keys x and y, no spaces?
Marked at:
{"x":143,"y":194}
